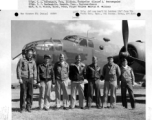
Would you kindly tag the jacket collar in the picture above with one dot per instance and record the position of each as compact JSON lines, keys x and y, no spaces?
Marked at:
{"x":77,"y":64}
{"x":93,"y":66}
{"x":80,"y":64}
{"x":125,"y":67}
{"x":111,"y":64}
{"x":78,"y":67}
{"x":28,"y":60}
{"x":60,"y":63}
{"x":46,"y":65}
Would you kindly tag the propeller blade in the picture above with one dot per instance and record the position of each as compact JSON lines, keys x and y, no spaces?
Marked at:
{"x":17,"y":56}
{"x":137,"y":60}
{"x":125,"y":34}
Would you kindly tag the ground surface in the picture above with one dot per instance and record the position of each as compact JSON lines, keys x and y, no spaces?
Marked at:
{"x":119,"y":113}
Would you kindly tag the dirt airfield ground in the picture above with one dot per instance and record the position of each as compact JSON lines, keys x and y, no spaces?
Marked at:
{"x":119,"y":113}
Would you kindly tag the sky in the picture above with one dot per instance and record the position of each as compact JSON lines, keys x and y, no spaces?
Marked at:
{"x":23,"y":32}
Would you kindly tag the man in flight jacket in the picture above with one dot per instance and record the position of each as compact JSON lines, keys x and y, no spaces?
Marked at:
{"x":93,"y":75}
{"x":77,"y":75}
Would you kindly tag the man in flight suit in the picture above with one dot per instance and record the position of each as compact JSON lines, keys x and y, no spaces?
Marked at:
{"x":61,"y":70}
{"x":77,"y":75}
{"x":46,"y":78}
{"x":127,"y":82}
{"x":93,"y":74}
{"x":111,"y":72}
{"x":27,"y":74}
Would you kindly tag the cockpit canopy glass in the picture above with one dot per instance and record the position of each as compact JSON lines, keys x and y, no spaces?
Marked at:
{"x":82,"y":41}
{"x":49,"y":46}
{"x":40,"y":46}
{"x":72,"y":38}
{"x":90,"y":43}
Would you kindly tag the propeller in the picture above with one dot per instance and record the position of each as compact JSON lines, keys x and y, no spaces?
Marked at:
{"x":125,"y":34}
{"x":125,"y":53}
{"x":17,"y":56}
{"x":23,"y":51}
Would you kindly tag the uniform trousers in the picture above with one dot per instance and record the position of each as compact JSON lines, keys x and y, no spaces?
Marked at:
{"x":74,"y":88}
{"x":44,"y":98}
{"x":26,"y":93}
{"x":124,"y":87}
{"x":109,"y":86}
{"x":86,"y":91}
{"x":94,"y":86}
{"x":62,"y":85}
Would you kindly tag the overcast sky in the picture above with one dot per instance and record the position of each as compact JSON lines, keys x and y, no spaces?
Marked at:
{"x":23,"y":32}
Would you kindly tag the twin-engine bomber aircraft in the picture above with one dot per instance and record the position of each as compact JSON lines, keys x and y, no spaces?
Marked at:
{"x":72,"y":45}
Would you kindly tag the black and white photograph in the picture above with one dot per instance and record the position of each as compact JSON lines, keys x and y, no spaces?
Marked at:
{"x":75,"y":59}
{"x":78,"y":69}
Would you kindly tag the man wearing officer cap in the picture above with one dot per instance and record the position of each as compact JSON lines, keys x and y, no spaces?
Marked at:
{"x":127,"y":82}
{"x":45,"y":79}
{"x":111,"y":72}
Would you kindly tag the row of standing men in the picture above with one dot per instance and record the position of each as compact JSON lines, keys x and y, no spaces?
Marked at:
{"x":58,"y":75}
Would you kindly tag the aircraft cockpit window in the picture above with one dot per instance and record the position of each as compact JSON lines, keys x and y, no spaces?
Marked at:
{"x":83,"y":42}
{"x":57,"y":41}
{"x":40,"y":46}
{"x":90,"y":43}
{"x":49,"y":46}
{"x":30,"y":45}
{"x":58,"y":47}
{"x":71,"y":38}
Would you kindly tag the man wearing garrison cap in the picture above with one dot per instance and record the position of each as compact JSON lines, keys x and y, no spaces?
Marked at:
{"x":45,"y":79}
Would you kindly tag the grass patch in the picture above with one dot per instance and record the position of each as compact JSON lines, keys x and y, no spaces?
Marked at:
{"x":119,"y":113}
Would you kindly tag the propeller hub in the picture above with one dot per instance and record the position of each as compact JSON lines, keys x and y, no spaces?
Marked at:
{"x":124,"y":54}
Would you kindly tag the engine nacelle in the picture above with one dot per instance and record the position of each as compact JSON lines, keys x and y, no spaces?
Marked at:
{"x":136,"y":50}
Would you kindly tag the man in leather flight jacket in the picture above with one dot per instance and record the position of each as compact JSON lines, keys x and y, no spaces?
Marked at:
{"x":46,"y":78}
{"x":93,"y":76}
{"x":61,"y":70}
{"x":27,"y":75}
{"x":111,"y":73}
{"x":77,"y":75}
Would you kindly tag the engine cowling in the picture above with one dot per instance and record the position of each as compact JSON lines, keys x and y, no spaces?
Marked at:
{"x":136,"y":50}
